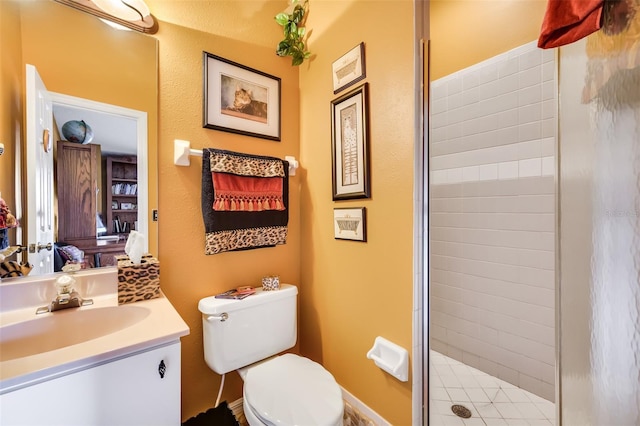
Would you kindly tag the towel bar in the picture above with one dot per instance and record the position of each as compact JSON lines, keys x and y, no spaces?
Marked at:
{"x":182,"y":151}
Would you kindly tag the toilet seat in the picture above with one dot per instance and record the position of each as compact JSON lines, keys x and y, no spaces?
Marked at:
{"x":292,"y":390}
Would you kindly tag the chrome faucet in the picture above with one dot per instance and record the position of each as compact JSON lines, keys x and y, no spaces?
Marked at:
{"x":67,"y":296}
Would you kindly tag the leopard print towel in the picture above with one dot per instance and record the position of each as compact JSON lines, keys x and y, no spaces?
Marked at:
{"x":231,"y":230}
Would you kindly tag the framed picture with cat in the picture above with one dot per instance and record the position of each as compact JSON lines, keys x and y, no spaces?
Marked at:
{"x":239,"y":99}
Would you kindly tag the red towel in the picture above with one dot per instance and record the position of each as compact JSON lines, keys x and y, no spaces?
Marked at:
{"x":246,"y":193}
{"x":566,"y":21}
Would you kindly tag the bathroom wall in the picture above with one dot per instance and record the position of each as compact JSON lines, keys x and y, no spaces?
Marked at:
{"x":225,"y":29}
{"x":353,"y":291}
{"x":492,"y":160}
{"x":344,"y":286}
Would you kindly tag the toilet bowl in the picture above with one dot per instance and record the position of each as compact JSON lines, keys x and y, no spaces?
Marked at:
{"x":291,"y":390}
{"x":247,"y":335}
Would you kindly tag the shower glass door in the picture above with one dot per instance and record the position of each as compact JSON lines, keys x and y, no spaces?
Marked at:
{"x":599,"y":222}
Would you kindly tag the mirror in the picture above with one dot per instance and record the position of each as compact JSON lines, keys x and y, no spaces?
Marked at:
{"x":84,"y":63}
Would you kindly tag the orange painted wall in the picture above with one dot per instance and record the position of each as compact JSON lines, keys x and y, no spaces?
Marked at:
{"x":354,"y":291}
{"x":465,"y":32}
{"x":86,"y":58}
{"x":187,"y":273}
{"x":10,"y":98}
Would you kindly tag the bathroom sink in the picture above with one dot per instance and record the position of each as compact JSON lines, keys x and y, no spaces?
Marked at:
{"x":38,"y":348}
{"x":64,"y":328}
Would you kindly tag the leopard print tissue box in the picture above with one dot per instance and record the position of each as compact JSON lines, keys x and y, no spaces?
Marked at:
{"x":271,"y":282}
{"x":138,"y":282}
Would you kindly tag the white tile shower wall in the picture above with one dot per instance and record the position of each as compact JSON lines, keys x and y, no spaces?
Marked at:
{"x":492,"y":167}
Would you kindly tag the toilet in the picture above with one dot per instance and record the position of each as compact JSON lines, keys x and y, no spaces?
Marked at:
{"x":247,"y":335}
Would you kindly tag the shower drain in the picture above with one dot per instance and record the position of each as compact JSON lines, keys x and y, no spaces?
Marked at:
{"x":461,"y":411}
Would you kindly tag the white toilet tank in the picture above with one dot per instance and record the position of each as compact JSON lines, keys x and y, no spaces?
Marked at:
{"x":255,"y":328}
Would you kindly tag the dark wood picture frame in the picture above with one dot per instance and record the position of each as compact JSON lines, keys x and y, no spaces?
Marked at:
{"x":239,"y":99}
{"x":350,"y":223}
{"x":350,"y":145}
{"x":348,"y":69}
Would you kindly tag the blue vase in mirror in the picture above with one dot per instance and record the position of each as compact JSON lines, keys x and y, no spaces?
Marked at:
{"x":77,"y":131}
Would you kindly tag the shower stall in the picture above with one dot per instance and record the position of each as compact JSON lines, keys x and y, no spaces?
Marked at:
{"x":534,"y":236}
{"x":492,"y":198}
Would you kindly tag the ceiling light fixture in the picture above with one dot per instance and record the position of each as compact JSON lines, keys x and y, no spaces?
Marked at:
{"x":132,"y":14}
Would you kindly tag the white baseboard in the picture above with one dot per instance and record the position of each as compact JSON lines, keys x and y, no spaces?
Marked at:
{"x":376,"y":418}
{"x":237,"y":409}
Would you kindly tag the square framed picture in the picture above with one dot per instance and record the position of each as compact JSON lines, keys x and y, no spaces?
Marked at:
{"x":348,"y":69}
{"x":350,"y":146}
{"x":239,"y":99}
{"x":350,"y":224}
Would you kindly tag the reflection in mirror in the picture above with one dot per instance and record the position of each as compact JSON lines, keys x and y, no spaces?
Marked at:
{"x":97,"y":74}
{"x":101,"y":185}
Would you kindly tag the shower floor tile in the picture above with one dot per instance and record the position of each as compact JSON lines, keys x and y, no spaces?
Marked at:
{"x":490,"y":400}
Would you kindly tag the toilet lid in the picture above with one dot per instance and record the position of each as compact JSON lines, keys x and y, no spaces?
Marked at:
{"x":292,"y":390}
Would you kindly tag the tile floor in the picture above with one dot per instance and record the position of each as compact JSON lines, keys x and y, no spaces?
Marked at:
{"x":491,"y":401}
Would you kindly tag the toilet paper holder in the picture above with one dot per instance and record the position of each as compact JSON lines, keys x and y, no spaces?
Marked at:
{"x":391,"y":358}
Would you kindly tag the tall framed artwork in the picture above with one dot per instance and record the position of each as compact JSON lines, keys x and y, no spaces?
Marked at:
{"x":350,"y":145}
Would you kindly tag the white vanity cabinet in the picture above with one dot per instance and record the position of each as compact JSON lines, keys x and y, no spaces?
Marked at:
{"x":139,"y":389}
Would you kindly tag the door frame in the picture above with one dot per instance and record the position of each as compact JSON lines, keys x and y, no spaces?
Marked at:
{"x":140,"y":117}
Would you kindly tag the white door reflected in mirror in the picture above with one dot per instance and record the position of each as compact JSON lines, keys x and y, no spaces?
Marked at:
{"x":39,"y":166}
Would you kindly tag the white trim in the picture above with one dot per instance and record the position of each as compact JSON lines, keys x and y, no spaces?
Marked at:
{"x":143,"y":158}
{"x":376,"y":418}
{"x":236,"y":408}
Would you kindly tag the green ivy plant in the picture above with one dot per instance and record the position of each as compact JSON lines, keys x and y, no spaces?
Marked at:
{"x":292,"y":22}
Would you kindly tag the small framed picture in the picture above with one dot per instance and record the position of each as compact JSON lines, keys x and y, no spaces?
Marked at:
{"x":126,"y":206}
{"x":114,"y":205}
{"x":239,"y":99}
{"x":350,"y":146}
{"x":350,"y":224}
{"x":348,"y":69}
